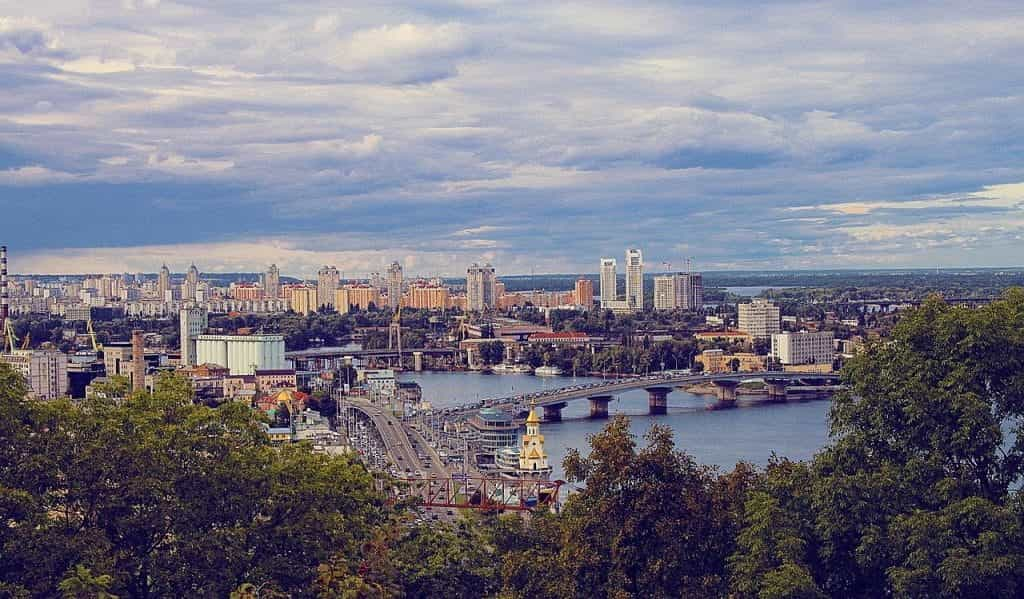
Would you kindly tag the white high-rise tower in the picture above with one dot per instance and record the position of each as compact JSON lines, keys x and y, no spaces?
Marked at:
{"x":634,"y":279}
{"x":394,"y":285}
{"x":609,"y":283}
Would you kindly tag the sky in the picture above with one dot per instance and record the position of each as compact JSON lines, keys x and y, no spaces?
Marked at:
{"x":538,"y":136}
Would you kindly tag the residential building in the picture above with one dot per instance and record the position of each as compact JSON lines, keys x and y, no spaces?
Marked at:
{"x":303,"y":299}
{"x":760,"y":318}
{"x":804,"y":347}
{"x":272,"y":282}
{"x":163,"y":283}
{"x":480,"y":288}
{"x":635,"y":279}
{"x":583,"y":294}
{"x":192,"y":321}
{"x":361,"y":296}
{"x":283,"y":378}
{"x":427,"y":296}
{"x":394,"y":285}
{"x":245,"y":291}
{"x":242,"y":354}
{"x":45,"y":371}
{"x":609,"y":281}
{"x":680,"y":290}
{"x":327,"y":281}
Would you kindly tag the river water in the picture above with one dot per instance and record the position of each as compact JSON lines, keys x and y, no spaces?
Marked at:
{"x":751,"y":432}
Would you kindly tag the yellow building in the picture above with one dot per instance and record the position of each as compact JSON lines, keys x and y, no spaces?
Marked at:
{"x":727,"y":336}
{"x":427,"y":297}
{"x":716,"y":361}
{"x":303,"y":300}
{"x":342,"y":302}
{"x":361,"y":296}
{"x":533,"y":460}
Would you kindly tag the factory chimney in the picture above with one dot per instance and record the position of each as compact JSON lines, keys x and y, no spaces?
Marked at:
{"x":138,"y":361}
{"x":4,"y":308}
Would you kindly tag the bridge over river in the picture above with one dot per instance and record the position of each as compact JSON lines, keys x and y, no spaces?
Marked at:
{"x":658,"y":387}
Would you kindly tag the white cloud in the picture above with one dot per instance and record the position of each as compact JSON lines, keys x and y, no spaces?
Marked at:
{"x":34,"y":175}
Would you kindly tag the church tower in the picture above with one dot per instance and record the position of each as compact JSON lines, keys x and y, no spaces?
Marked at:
{"x":533,"y":460}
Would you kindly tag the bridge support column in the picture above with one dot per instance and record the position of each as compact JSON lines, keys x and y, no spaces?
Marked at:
{"x":776,"y":389}
{"x":417,"y":361}
{"x":553,"y":412}
{"x":726,"y":392}
{"x":599,"y":406}
{"x":657,"y":401}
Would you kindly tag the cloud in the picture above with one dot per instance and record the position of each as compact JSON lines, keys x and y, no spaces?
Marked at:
{"x":34,"y":175}
{"x":535,"y":134}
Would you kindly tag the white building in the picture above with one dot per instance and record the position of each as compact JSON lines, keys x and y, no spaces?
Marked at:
{"x":192,"y":322}
{"x":609,"y":281}
{"x":760,"y":319}
{"x":241,"y":354}
{"x":635,"y":279}
{"x":381,"y":386}
{"x":804,"y":347}
{"x":45,"y":371}
{"x":480,"y":288}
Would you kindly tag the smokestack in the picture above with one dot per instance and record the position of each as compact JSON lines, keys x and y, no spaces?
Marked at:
{"x":4,"y":308}
{"x":138,"y":361}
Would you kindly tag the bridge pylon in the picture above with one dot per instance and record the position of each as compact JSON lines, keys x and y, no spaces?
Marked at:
{"x":553,"y":412}
{"x":726,"y":391}
{"x":599,"y":406}
{"x":657,"y":400}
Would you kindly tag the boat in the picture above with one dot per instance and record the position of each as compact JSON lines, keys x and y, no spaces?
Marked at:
{"x":548,"y":371}
{"x":513,"y":369}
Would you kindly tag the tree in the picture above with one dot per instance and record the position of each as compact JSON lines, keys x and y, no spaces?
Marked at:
{"x":169,"y":498}
{"x":649,"y":522}
{"x":80,"y":583}
{"x":492,"y":352}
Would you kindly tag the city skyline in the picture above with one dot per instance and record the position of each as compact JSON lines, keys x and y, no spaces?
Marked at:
{"x":534,"y":138}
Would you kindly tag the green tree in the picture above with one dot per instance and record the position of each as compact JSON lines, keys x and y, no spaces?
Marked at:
{"x":492,"y":352}
{"x":80,"y":583}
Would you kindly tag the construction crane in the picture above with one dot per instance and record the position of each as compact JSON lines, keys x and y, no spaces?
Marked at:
{"x":26,"y":341}
{"x":10,"y":339}
{"x":96,"y":347}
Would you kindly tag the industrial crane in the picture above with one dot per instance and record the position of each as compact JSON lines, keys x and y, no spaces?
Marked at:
{"x":10,"y":339}
{"x":96,"y":347}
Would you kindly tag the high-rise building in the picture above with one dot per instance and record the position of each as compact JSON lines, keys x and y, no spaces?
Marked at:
{"x":362,"y":296}
{"x":693,"y":292}
{"x":138,"y":361}
{"x":760,"y":318}
{"x":609,"y":280}
{"x":327,"y":280}
{"x":427,"y":296}
{"x":480,"y":292}
{"x":163,"y":283}
{"x":272,"y":282}
{"x":685,"y":291}
{"x":45,"y":371}
{"x":303,"y":299}
{"x":634,"y":279}
{"x":394,"y":285}
{"x":665,"y":292}
{"x":584,"y":293}
{"x":192,"y":319}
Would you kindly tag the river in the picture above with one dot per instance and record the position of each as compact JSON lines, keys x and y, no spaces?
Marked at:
{"x":751,"y":432}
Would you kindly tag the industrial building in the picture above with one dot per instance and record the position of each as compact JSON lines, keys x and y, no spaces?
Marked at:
{"x":242,"y":354}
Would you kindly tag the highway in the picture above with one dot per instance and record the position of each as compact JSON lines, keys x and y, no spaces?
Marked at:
{"x":398,"y":443}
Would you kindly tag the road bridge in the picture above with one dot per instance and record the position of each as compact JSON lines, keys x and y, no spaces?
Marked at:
{"x":320,"y":358}
{"x":658,"y":387}
{"x":396,"y":439}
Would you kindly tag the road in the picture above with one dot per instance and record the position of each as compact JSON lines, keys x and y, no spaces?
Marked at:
{"x":398,"y":442}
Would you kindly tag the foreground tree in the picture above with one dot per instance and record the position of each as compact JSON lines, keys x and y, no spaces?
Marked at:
{"x":168,"y":498}
{"x":919,"y":493}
